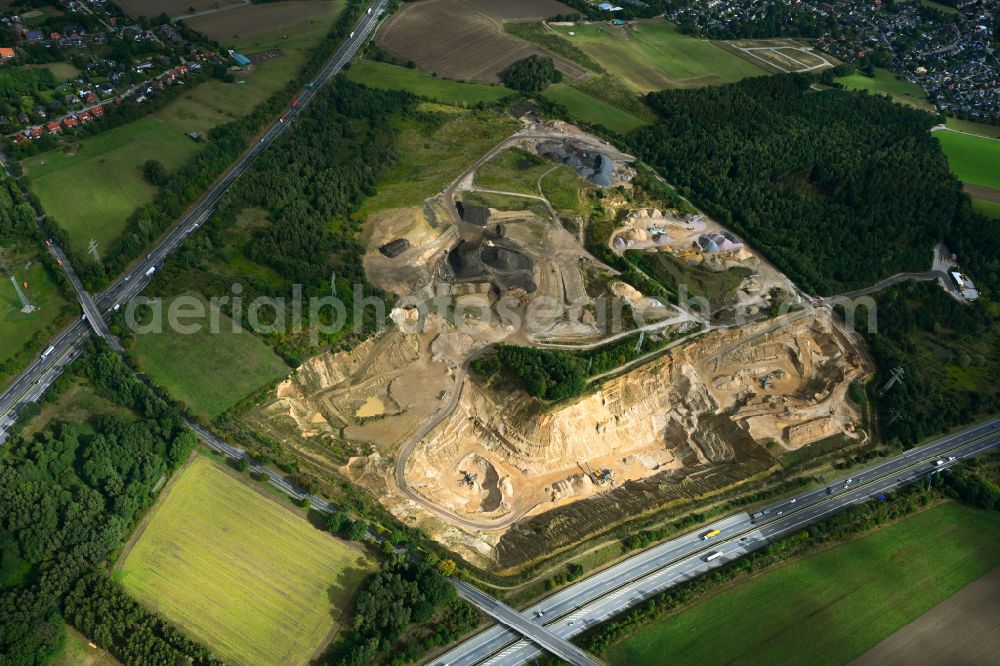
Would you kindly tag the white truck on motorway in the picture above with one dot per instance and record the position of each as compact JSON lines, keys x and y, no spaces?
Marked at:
{"x":45,"y":354}
{"x":152,"y":269}
{"x":715,"y":554}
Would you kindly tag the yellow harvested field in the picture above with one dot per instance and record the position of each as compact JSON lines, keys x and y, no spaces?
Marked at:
{"x":233,"y":568}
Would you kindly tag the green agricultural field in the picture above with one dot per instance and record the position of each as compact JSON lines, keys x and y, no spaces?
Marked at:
{"x":987,"y":207}
{"x":213,"y":103}
{"x":831,"y":606}
{"x":583,"y":106}
{"x":982,"y":129}
{"x":430,"y":158}
{"x":250,"y":578}
{"x":392,"y":77}
{"x":209,"y":372}
{"x":513,"y":170}
{"x":504,"y":202}
{"x":654,"y":55}
{"x":18,"y":329}
{"x":886,"y":83}
{"x":974,"y":159}
{"x":63,"y":71}
{"x":91,"y":190}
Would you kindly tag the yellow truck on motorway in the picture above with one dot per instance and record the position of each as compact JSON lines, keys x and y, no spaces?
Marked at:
{"x":708,"y":535}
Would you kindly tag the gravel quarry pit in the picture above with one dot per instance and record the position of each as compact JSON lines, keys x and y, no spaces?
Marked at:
{"x":501,"y":457}
{"x":475,"y":461}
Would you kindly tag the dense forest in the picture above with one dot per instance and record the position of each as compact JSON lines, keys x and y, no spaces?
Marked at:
{"x":402,"y":611}
{"x":308,"y":183}
{"x":69,"y":498}
{"x":543,"y":373}
{"x":532,"y":74}
{"x":320,"y":173}
{"x":838,"y":189}
{"x":950,"y":354}
{"x":554,"y":374}
{"x":17,"y":219}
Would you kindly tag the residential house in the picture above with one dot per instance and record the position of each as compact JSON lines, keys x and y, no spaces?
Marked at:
{"x":6,"y":54}
{"x":70,"y":121}
{"x":53,"y":127}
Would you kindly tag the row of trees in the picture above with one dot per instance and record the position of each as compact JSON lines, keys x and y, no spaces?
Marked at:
{"x":69,"y":497}
{"x":21,"y":237}
{"x":839,"y":189}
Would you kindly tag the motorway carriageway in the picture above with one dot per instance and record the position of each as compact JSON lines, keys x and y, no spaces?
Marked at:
{"x":30,"y":385}
{"x":604,"y":594}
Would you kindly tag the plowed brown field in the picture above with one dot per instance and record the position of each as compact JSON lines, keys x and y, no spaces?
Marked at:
{"x":521,"y":10}
{"x":450,"y":39}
